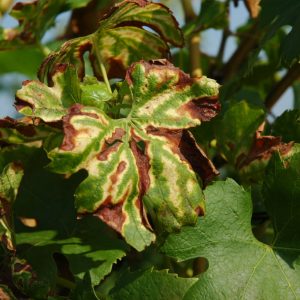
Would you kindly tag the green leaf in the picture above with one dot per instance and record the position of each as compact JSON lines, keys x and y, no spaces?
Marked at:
{"x":224,"y":236}
{"x":288,"y":126}
{"x":10,"y":179}
{"x":149,"y":285}
{"x":84,"y":250}
{"x":237,"y":128}
{"x":129,"y":160}
{"x":31,"y":60}
{"x":275,"y":14}
{"x":87,"y":244}
{"x":282,"y":181}
{"x":94,"y":92}
{"x":120,"y":40}
{"x":84,"y":290}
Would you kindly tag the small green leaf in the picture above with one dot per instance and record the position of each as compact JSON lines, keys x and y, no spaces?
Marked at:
{"x":224,"y":236}
{"x":129,"y":160}
{"x":150,"y":285}
{"x":120,"y":40}
{"x":94,"y":92}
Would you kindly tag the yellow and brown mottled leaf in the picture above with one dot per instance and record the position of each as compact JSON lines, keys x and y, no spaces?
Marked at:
{"x":120,"y":40}
{"x":145,"y":164}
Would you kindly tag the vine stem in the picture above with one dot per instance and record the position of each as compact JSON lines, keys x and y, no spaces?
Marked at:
{"x":101,"y":65}
{"x":282,"y":85}
{"x":194,"y":40}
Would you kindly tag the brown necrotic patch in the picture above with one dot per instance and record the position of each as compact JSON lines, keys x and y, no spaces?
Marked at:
{"x":112,"y":213}
{"x":164,"y":69}
{"x":184,"y":145}
{"x":69,"y":130}
{"x":23,"y":126}
{"x":203,"y":108}
{"x":111,"y":144}
{"x":262,"y":149}
{"x":143,"y":165}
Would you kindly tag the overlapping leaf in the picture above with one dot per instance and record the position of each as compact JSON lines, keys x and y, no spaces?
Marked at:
{"x":274,"y":15}
{"x":35,"y":18}
{"x":120,"y":40}
{"x":23,"y":131}
{"x":87,"y":244}
{"x":146,"y":159}
{"x":241,"y":267}
{"x":158,"y":285}
{"x":52,"y":103}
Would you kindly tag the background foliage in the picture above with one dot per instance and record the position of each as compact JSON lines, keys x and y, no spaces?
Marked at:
{"x":123,"y":177}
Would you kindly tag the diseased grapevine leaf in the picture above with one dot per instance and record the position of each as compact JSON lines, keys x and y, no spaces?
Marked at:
{"x":148,"y":285}
{"x":224,"y":236}
{"x":146,"y":159}
{"x":35,"y":18}
{"x":51,"y":103}
{"x":23,"y":130}
{"x":10,"y":179}
{"x":120,"y":40}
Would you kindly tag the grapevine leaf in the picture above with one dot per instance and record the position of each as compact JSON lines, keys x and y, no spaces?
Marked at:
{"x":288,"y":126}
{"x":236,"y":129}
{"x":224,"y":236}
{"x":52,"y":103}
{"x":120,"y":40}
{"x":84,"y":250}
{"x":262,"y":148}
{"x":158,"y":285}
{"x":35,"y":18}
{"x":275,"y":14}
{"x":84,"y":289}
{"x":23,"y":130}
{"x":282,"y":181}
{"x":57,"y":230}
{"x":129,"y":160}
{"x":10,"y":179}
